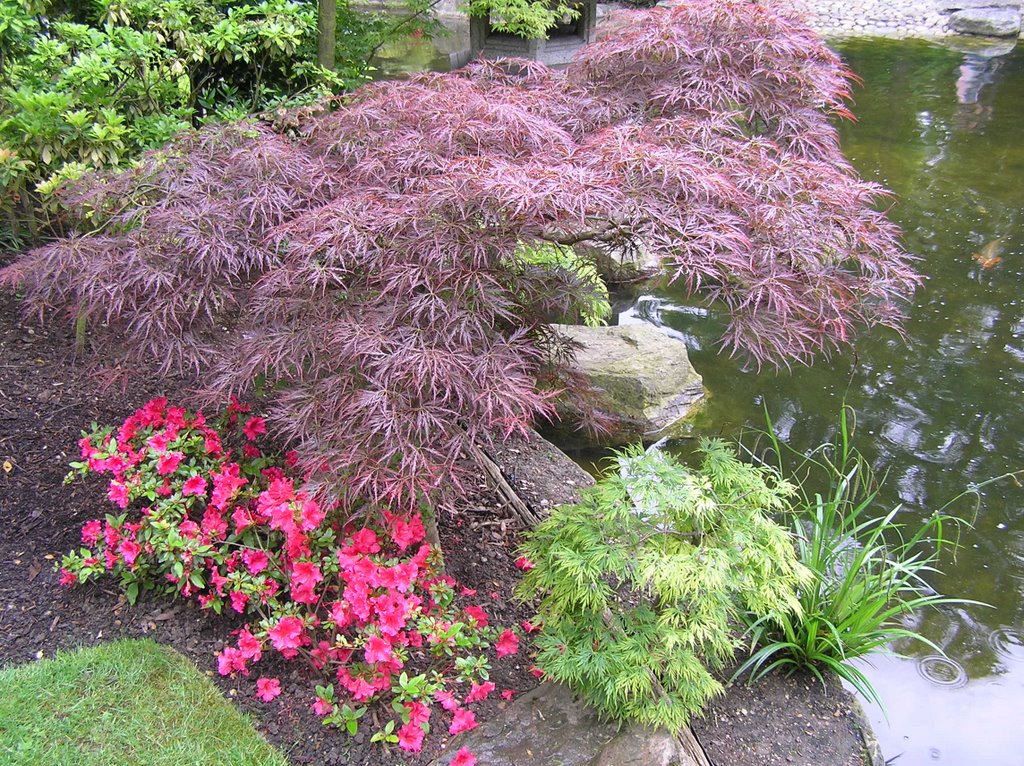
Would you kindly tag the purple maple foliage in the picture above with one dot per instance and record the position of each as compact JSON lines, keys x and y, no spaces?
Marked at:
{"x":369,"y":269}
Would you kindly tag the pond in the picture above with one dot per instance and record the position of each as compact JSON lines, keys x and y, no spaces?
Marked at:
{"x":937,"y":410}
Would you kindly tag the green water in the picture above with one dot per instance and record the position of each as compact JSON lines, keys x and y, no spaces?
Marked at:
{"x":942,"y":407}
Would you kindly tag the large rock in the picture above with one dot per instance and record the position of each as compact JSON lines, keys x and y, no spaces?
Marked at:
{"x":949,"y":6}
{"x":547,"y":727}
{"x":647,"y":384}
{"x":992,"y":22}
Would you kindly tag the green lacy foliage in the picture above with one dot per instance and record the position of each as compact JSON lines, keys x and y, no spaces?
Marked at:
{"x":94,"y":87}
{"x":641,"y":583}
{"x":561,"y":261}
{"x":525,"y":18}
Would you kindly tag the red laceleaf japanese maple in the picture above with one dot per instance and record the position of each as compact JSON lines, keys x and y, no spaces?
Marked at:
{"x":369,"y":268}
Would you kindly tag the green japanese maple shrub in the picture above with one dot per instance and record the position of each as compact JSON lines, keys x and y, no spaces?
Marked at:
{"x":641,"y":583}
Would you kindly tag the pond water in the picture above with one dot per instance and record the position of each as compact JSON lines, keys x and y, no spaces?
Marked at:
{"x":937,"y":410}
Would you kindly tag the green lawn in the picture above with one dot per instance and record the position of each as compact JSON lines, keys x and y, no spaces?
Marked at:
{"x":129,"y":703}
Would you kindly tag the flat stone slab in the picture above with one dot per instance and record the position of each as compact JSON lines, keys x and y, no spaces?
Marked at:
{"x":991,"y":22}
{"x":949,"y":6}
{"x":548,"y":727}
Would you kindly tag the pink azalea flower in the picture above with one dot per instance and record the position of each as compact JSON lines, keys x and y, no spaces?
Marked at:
{"x":364,"y":541}
{"x":168,"y":463}
{"x":254,"y":427}
{"x":462,"y":720}
{"x":310,"y":514}
{"x":226,"y":484}
{"x":267,"y":688}
{"x":305,"y":576}
{"x":463,"y":758}
{"x":322,"y":707}
{"x":158,"y":442}
{"x":91,"y":532}
{"x":117,"y":493}
{"x":238,"y":600}
{"x":508,"y":643}
{"x":230,"y":660}
{"x":194,"y":485}
{"x":377,"y":650}
{"x":508,"y":694}
{"x":447,"y":700}
{"x":479,"y":692}
{"x":477,"y":614}
{"x":248,"y":645}
{"x":287,"y":636}
{"x":525,"y":564}
{"x":406,"y":532}
{"x":67,"y":577}
{"x":129,"y":550}
{"x":530,"y":627}
{"x":410,"y":737}
{"x":255,"y":560}
{"x":418,"y":712}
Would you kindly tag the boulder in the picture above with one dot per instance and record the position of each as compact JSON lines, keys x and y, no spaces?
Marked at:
{"x":992,"y":22}
{"x":548,"y":727}
{"x":647,"y":386}
{"x":949,"y":6}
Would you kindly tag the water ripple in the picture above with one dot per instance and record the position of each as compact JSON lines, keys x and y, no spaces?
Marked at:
{"x":942,"y":671}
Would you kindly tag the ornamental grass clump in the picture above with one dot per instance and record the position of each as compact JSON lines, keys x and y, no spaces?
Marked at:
{"x":868,"y":570}
{"x":641,"y":584}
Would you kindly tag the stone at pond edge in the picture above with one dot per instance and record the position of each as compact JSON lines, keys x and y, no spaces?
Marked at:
{"x":540,"y":473}
{"x":949,"y":6}
{"x":647,"y":382}
{"x":993,"y":22}
{"x":547,"y":727}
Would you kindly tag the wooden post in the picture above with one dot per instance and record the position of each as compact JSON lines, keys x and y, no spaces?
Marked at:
{"x":326,"y":32}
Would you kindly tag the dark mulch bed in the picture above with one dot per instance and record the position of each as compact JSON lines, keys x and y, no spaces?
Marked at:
{"x":46,"y":398}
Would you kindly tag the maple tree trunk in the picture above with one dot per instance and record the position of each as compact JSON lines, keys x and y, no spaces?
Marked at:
{"x":326,"y":24}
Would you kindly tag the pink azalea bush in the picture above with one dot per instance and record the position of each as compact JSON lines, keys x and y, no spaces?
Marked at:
{"x":205,"y":514}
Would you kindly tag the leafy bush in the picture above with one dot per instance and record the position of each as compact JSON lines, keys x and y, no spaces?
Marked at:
{"x":868,"y":570}
{"x":526,"y":18}
{"x":367,"y":271}
{"x":641,"y":584}
{"x":204,"y":514}
{"x":96,"y":87}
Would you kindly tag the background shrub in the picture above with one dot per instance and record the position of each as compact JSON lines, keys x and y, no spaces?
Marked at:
{"x":92,"y":85}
